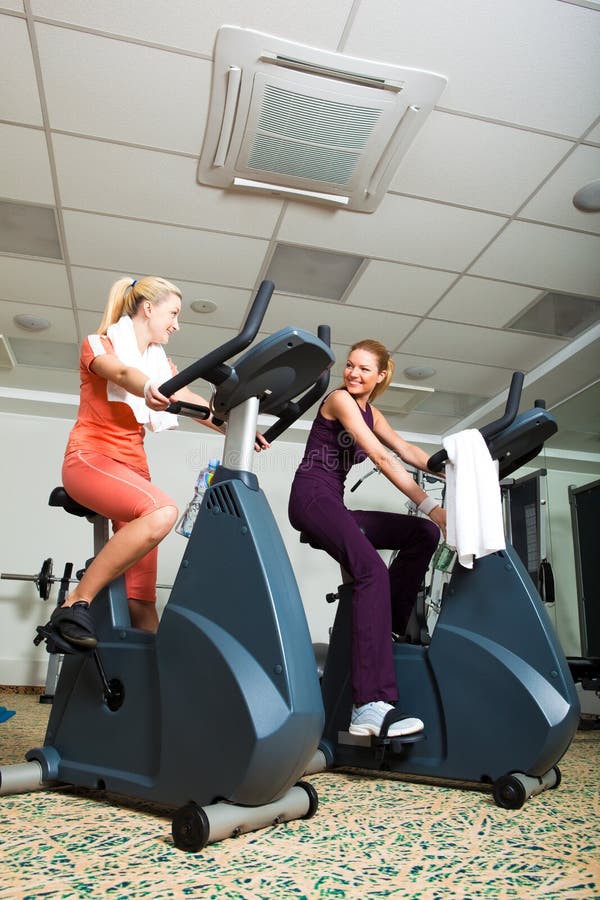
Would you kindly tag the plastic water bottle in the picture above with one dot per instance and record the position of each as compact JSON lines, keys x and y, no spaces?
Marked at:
{"x":186,"y":523}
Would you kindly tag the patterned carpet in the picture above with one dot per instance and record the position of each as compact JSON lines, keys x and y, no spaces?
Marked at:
{"x":372,"y":838}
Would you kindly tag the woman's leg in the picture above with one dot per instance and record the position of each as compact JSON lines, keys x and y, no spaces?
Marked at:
{"x":334,"y":528}
{"x":142,"y":514}
{"x":125,"y":548}
{"x":415,"y":539}
{"x":143,"y":614}
{"x":140,"y":588}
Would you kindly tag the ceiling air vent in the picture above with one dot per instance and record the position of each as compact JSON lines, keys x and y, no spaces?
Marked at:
{"x":402,"y":398}
{"x":309,"y":124}
{"x":559,"y":315}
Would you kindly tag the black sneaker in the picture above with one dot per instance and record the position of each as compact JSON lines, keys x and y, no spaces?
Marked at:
{"x":75,"y":624}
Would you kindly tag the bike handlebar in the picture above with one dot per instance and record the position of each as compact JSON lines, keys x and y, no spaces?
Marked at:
{"x":489,"y":431}
{"x":295,"y":408}
{"x":211,"y":366}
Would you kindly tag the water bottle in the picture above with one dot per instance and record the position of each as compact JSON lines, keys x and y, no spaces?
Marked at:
{"x":205,"y":476}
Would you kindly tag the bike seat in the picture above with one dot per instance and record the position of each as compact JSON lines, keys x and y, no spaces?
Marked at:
{"x":59,"y":497}
{"x":304,"y":539}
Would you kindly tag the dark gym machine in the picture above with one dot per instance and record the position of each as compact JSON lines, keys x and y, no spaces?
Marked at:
{"x":491,"y":684}
{"x":45,"y":578}
{"x":219,"y":714}
{"x":585,"y":508}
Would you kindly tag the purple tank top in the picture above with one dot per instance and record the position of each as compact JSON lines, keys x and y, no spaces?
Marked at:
{"x":331,"y":451}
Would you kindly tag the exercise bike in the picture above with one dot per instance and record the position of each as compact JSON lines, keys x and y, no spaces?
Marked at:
{"x":491,"y":682}
{"x":219,"y":713}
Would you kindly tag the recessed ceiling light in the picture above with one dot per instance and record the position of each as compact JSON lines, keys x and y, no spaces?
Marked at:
{"x":587,"y":198}
{"x":32,"y":323}
{"x":203,"y":306}
{"x":418,"y":373}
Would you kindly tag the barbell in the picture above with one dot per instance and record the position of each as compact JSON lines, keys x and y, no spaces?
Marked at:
{"x":45,"y":578}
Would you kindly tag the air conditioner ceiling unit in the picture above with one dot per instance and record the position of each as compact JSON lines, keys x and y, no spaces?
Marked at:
{"x":309,"y":124}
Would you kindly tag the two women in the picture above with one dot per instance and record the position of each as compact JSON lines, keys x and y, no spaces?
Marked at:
{"x":105,"y":469}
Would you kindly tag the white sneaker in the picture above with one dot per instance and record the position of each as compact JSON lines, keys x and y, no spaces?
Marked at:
{"x":368,"y":719}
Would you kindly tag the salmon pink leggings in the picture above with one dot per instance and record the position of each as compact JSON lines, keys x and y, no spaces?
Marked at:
{"x":121,"y":494}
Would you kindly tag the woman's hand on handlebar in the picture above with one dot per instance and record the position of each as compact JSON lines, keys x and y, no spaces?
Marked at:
{"x":153,"y":397}
{"x":261,"y":443}
{"x":438,"y":515}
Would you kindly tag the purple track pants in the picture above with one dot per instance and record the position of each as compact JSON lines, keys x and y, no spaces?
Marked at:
{"x":382,"y":598}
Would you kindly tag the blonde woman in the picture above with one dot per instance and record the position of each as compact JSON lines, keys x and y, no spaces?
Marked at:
{"x":347,"y":430}
{"x":105,"y":467}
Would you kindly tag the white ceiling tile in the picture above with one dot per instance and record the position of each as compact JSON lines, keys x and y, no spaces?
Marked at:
{"x":576,"y":441}
{"x":62,"y":327}
{"x":194,"y":341}
{"x":402,"y":229}
{"x":570,"y":381}
{"x":569,"y":377}
{"x":162,"y":102}
{"x":568,"y":416}
{"x":459,"y":377}
{"x":594,"y":135}
{"x":513,"y":350}
{"x":88,"y":323}
{"x":422,"y":423}
{"x":403,"y":289}
{"x":478,"y":301}
{"x":175,"y":253}
{"x":232,"y":305}
{"x":146,"y":184}
{"x":25,"y":150}
{"x":348,"y":324}
{"x":19,"y":97}
{"x":92,"y":286}
{"x":461,"y":160}
{"x":32,"y":281}
{"x":510,"y":61}
{"x":195,"y":25}
{"x":545,"y":257}
{"x":553,"y":203}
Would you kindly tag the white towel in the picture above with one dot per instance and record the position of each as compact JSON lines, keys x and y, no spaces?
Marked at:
{"x":153,"y":362}
{"x":474,"y":507}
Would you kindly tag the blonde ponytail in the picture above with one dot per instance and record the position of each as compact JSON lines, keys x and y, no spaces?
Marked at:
{"x":126,"y":294}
